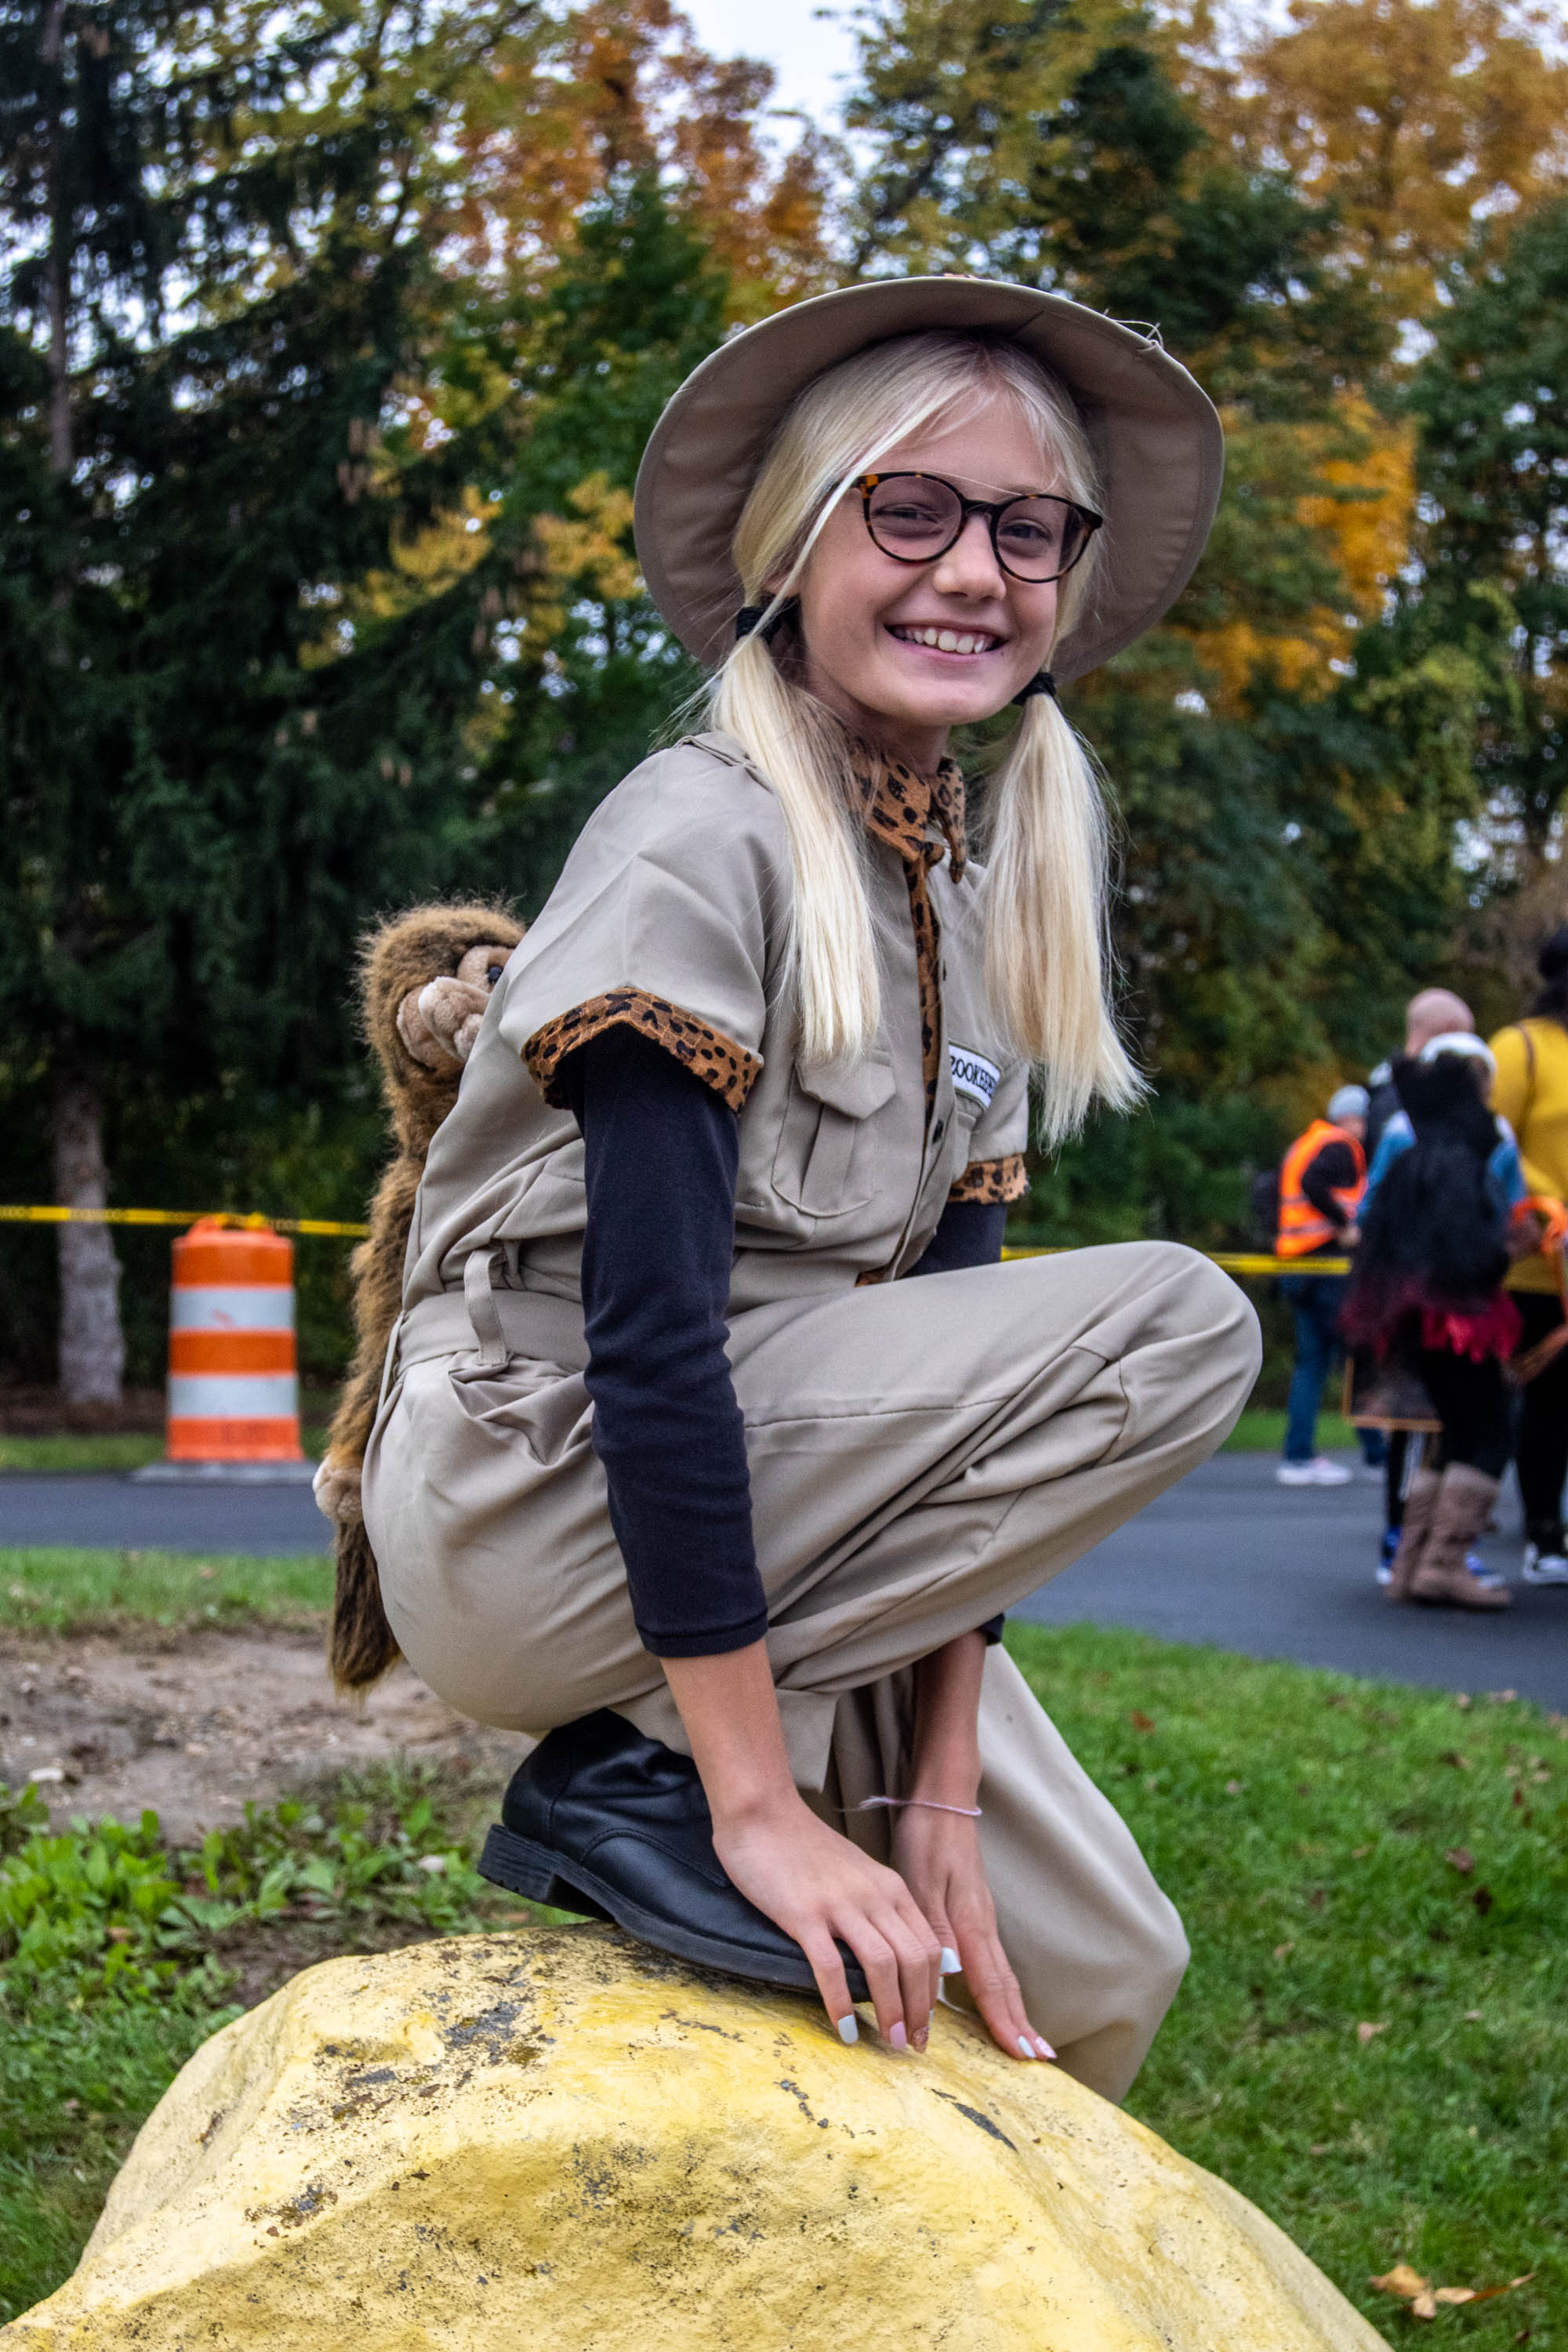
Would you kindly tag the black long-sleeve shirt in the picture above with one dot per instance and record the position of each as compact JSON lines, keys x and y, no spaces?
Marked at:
{"x":662,"y":1153}
{"x":1334,"y":1165}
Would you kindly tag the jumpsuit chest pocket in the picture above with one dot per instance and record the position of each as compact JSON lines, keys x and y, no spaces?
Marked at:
{"x":825,"y":1163}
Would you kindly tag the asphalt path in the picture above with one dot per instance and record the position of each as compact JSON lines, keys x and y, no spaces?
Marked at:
{"x":119,"y":1513}
{"x":1227,"y":1557}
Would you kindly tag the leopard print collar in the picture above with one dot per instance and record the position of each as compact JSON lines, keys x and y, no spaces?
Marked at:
{"x":901,"y":805}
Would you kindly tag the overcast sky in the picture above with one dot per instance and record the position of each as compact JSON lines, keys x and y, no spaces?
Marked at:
{"x":810,"y":49}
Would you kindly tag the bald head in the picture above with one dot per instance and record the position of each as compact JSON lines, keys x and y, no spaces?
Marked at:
{"x":1435,"y":1012}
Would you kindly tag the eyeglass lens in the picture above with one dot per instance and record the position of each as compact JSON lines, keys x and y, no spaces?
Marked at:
{"x":916,"y":517}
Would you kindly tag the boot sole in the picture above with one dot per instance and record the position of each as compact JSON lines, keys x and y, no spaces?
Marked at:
{"x":1452,"y":1601}
{"x":530,"y":1870}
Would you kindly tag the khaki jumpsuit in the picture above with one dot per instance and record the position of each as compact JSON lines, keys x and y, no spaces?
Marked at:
{"x":922,"y":1455}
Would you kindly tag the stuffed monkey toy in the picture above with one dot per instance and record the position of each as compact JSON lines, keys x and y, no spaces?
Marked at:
{"x":426,"y":978}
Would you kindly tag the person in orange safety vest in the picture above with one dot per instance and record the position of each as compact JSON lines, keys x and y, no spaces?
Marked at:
{"x":1321,"y":1179}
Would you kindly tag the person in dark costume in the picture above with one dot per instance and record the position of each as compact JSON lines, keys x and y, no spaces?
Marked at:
{"x":1445,"y":1199}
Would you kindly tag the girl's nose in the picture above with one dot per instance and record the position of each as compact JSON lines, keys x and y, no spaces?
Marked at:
{"x":970,"y":567}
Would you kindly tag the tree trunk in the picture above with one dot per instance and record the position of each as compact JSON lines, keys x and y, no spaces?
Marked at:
{"x":92,"y":1348}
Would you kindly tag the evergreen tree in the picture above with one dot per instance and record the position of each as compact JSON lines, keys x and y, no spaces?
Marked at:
{"x":1491,"y":403}
{"x":217,"y":274}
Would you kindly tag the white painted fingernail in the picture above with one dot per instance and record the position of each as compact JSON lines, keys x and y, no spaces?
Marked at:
{"x":847,"y":2029}
{"x":949,"y":1965}
{"x":1044,"y":2048}
{"x":1027,"y":2048}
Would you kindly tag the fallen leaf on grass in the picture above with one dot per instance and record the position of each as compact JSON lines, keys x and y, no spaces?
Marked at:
{"x":1401,"y":2279}
{"x":1283,"y":1951}
{"x":1490,"y":2294}
{"x":1463,"y":1860}
{"x":1453,"y":1756}
{"x":1139,"y":1721}
{"x":1360,"y":1852}
{"x":1365,"y":2033}
{"x":1233,"y":1788}
{"x":1472,"y":2017}
{"x":1424,"y":2299}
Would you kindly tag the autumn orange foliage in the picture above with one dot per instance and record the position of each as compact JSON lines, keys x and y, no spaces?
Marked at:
{"x":1413,"y":120}
{"x":623,"y":85}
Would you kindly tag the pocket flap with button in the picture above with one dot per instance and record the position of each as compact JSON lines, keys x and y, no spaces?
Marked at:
{"x":856,"y":1088}
{"x":818,"y":1166}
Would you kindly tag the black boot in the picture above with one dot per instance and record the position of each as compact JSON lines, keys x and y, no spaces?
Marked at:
{"x":603,"y":1821}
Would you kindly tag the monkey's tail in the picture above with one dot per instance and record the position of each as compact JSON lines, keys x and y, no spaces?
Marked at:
{"x":361,"y":1645}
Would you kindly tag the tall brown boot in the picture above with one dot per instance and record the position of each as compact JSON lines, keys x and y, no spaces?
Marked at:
{"x":1413,"y":1529}
{"x":1465,"y":1498}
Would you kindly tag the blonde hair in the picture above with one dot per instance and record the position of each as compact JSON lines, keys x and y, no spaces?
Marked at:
{"x":1047,"y":949}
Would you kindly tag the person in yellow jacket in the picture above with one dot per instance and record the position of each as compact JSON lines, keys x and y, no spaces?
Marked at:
{"x":1531,"y":1093}
{"x":1321,"y":1179}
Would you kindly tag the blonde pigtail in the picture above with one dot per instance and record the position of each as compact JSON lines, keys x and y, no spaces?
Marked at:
{"x":800,"y":749}
{"x":1046,"y":953}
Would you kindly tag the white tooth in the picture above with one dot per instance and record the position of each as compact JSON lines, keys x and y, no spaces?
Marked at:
{"x":928,"y":636}
{"x":947,"y":640}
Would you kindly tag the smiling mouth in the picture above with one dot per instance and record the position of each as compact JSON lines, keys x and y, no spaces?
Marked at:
{"x":948,"y":641}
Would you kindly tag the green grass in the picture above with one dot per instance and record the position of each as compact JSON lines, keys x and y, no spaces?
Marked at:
{"x":107,"y":1451}
{"x":1313,"y":1830}
{"x":1263,"y":1432}
{"x":1304,"y":1823}
{"x":54,"y":1590}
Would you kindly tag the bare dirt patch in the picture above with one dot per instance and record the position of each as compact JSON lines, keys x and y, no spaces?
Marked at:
{"x":194,"y":1725}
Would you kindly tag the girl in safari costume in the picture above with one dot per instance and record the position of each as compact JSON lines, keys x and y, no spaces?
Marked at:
{"x":677,"y":1470}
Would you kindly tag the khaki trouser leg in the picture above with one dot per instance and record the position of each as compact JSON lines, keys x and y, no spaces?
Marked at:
{"x":923,"y":1454}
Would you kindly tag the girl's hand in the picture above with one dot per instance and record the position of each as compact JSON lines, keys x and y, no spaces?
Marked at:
{"x":938,"y":1857}
{"x":819,"y":1887}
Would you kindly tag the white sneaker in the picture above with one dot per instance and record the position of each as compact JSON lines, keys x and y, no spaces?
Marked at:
{"x":1543,"y":1567}
{"x":1318,"y":1472}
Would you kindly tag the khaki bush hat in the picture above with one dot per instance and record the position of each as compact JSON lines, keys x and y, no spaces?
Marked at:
{"x":1155,"y":436}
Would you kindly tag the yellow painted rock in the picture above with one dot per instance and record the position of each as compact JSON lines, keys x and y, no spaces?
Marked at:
{"x":560,"y":2142}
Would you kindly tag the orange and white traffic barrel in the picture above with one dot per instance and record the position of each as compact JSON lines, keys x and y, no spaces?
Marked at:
{"x":234,"y":1380}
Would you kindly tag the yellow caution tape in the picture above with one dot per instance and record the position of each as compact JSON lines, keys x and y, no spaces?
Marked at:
{"x":255,"y":1222}
{"x":1232,"y":1261}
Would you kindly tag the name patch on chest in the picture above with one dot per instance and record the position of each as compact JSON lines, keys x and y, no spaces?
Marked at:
{"x":972,"y":1075}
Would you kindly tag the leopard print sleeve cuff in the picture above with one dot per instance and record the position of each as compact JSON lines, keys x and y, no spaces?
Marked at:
{"x":993,"y":1180}
{"x":729,"y":1069}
